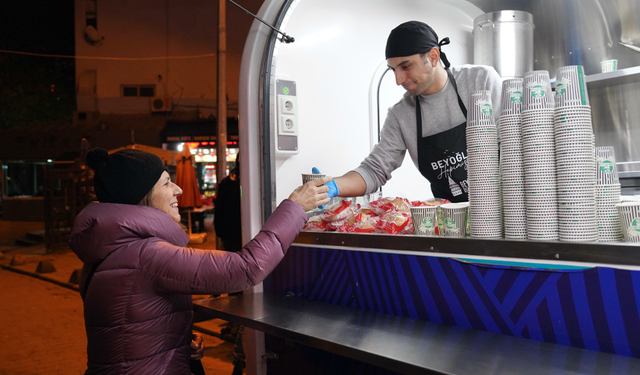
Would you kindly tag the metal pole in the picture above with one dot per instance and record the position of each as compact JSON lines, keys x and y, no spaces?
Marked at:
{"x":221,"y":142}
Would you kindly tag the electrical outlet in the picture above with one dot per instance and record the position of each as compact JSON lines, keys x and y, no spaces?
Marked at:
{"x":288,"y":125}
{"x":287,"y":104}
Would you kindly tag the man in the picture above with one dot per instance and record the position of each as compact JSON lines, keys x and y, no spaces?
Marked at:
{"x":226,"y":220}
{"x":434,"y":106}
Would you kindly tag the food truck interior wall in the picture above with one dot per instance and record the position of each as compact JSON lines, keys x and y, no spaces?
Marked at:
{"x":338,"y":59}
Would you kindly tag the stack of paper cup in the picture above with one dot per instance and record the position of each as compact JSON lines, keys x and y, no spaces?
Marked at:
{"x":483,"y":168}
{"x":629,"y":213}
{"x":575,"y":158}
{"x":607,"y":195}
{"x":538,"y":157}
{"x":454,"y":217}
{"x":609,"y":226}
{"x":512,"y":168}
{"x":424,"y":220}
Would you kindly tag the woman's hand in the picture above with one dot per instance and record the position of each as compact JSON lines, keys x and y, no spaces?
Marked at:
{"x":197,"y":347}
{"x":312,"y":194}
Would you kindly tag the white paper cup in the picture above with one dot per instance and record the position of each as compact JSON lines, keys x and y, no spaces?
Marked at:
{"x":480,"y":107}
{"x":609,"y":65}
{"x":424,"y":220}
{"x":606,"y":170}
{"x":629,"y":213}
{"x":537,"y":91}
{"x":306,"y":177}
{"x":571,"y":88}
{"x":486,"y":127}
{"x":572,"y":117}
{"x":454,"y":219}
{"x":563,"y":135}
{"x":512,"y":96}
{"x":482,"y":144}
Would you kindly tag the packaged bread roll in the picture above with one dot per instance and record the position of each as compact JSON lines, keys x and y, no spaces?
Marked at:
{"x":384,"y":205}
{"x":315,"y":224}
{"x":338,"y":211}
{"x":393,"y":222}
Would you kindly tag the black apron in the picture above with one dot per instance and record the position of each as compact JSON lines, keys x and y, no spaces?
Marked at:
{"x":442,"y":157}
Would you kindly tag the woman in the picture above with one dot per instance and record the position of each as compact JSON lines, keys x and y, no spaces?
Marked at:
{"x":138,"y":276}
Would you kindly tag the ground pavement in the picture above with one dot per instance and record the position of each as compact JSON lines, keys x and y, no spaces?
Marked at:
{"x":42,"y":324}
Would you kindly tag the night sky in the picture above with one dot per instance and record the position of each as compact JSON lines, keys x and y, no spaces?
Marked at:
{"x":36,"y":89}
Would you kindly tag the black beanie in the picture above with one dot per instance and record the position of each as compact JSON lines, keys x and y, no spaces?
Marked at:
{"x":125,"y":176}
{"x":414,"y":37}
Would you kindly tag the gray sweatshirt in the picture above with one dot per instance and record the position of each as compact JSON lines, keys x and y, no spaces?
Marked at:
{"x":440,"y":112}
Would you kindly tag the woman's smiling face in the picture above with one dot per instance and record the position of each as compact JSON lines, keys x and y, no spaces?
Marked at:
{"x":164,"y":196}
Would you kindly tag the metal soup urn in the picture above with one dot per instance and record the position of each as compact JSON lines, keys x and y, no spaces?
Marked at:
{"x":504,"y":40}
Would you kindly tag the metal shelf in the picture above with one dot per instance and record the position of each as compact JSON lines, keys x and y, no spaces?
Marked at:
{"x":619,"y":77}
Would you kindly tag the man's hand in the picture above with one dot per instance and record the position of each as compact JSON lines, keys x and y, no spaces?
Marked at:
{"x":333,"y":188}
{"x":197,"y":346}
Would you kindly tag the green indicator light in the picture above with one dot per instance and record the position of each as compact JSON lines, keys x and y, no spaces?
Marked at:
{"x":285,"y":91}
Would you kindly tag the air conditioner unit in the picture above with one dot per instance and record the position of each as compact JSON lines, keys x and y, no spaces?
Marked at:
{"x":161,"y":104}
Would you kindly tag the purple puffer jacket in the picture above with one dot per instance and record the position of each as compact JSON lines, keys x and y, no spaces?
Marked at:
{"x":138,"y":306}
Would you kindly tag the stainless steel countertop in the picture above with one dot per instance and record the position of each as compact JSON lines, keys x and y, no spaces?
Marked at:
{"x":405,"y":345}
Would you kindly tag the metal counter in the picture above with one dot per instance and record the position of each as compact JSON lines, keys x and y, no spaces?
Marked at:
{"x":406,"y":345}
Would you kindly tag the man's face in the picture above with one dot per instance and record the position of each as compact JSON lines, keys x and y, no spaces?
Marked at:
{"x":413,"y":73}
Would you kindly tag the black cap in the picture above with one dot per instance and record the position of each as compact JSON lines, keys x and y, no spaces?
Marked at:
{"x":126,"y":176}
{"x":414,"y":37}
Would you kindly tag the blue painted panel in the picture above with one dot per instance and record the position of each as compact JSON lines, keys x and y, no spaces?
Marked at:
{"x":592,"y":308}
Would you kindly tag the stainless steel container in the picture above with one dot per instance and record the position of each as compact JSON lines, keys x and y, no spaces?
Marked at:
{"x":504,"y":40}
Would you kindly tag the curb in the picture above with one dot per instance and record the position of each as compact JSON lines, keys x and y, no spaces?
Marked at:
{"x":38,"y":276}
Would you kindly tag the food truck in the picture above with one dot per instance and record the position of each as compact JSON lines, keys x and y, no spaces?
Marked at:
{"x":314,"y":93}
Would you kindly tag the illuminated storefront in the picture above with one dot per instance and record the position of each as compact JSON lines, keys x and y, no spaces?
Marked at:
{"x":200,"y":136}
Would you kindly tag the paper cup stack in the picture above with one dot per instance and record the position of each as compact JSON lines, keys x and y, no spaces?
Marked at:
{"x":483,"y":168}
{"x":629,"y":213}
{"x":575,"y":157}
{"x":538,"y":157}
{"x":607,"y":195}
{"x":512,"y":169}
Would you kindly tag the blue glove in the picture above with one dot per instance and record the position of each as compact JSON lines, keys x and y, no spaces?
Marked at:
{"x":333,"y":188}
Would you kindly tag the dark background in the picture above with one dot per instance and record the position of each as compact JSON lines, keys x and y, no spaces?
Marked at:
{"x":34,"y":89}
